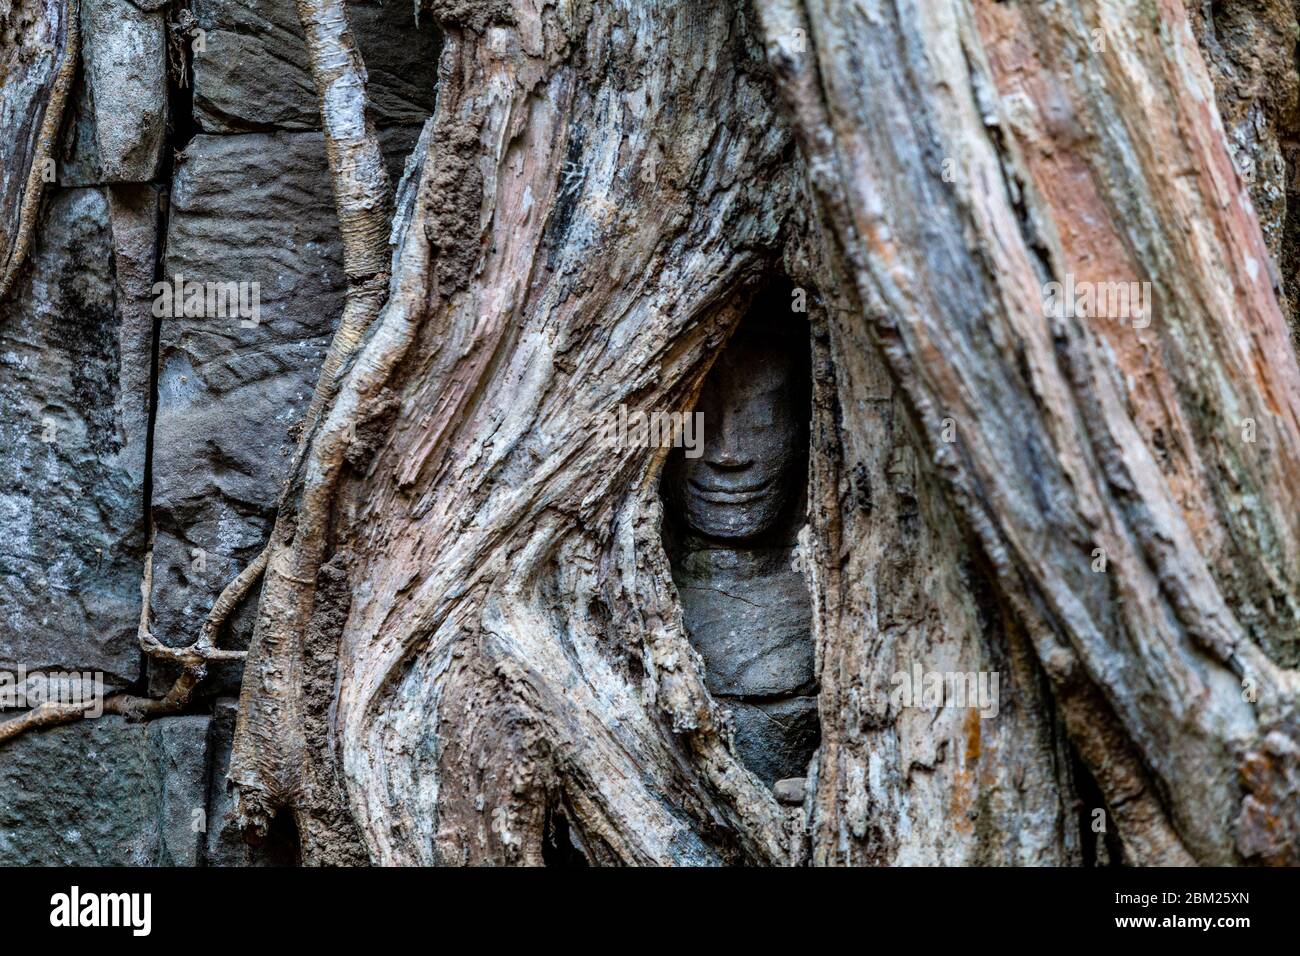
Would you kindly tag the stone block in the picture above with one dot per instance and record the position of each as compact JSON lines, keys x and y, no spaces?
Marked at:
{"x":72,"y":475}
{"x":104,"y":792}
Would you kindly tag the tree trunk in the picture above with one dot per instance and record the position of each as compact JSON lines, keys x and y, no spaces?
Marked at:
{"x":512,"y":648}
{"x":1163,"y":447}
{"x":469,"y":645}
{"x":518,"y":649}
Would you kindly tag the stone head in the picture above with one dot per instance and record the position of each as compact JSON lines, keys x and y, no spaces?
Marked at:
{"x":755,"y":411}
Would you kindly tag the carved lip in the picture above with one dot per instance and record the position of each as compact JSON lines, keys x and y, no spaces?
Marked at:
{"x":738,"y":495}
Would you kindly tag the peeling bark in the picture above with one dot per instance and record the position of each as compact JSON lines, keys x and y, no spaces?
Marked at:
{"x":898,"y":584}
{"x":282,"y":752}
{"x":546,"y":628}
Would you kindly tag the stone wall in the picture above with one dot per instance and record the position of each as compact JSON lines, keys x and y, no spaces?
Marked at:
{"x":209,"y":165}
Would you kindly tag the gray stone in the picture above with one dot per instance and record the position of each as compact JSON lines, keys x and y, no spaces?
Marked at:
{"x":133,"y":213}
{"x":253,"y":73}
{"x":775,"y":739}
{"x":72,"y":475}
{"x":749,"y":617}
{"x":754,"y":408}
{"x":179,"y":746}
{"x":253,"y":208}
{"x":790,"y":791}
{"x":733,"y":510}
{"x":104,"y":792}
{"x":126,"y":63}
{"x":76,"y":348}
{"x":78,"y":153}
{"x":134,"y":210}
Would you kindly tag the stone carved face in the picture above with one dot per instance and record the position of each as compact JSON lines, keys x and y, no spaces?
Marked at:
{"x":755,"y":406}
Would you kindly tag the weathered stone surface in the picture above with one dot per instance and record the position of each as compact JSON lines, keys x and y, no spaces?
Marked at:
{"x":253,"y":208}
{"x":179,"y":748}
{"x":254,"y":72}
{"x":104,"y":792}
{"x":225,"y":843}
{"x":748,"y":459}
{"x":775,"y":739}
{"x":76,"y":350}
{"x":71,"y":477}
{"x":749,"y":617}
{"x":78,"y":159}
{"x":133,"y":214}
{"x":734,"y":503}
{"x":126,"y":63}
{"x":78,"y":153}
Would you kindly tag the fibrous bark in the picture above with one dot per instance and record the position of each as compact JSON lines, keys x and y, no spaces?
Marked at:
{"x":899,"y":584}
{"x":538,"y":664}
{"x":1168,"y":447}
{"x":475,"y":590}
{"x":278,"y":759}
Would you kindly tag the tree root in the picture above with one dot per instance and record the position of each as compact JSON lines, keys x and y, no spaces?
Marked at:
{"x":51,"y":714}
{"x":298,"y":542}
{"x":46,"y":143}
{"x":229,"y":599}
{"x":193,"y":659}
{"x":360,"y":184}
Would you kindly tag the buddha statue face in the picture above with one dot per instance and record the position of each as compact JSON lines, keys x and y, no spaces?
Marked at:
{"x":755,"y":407}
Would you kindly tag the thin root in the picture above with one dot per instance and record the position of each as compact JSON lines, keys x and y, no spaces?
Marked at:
{"x":193,"y":660}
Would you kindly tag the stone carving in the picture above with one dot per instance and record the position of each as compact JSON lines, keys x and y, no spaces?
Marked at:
{"x":733,"y":513}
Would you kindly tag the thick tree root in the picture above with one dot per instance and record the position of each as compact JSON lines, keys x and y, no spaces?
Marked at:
{"x":229,"y":599}
{"x":46,"y":143}
{"x":50,"y":714}
{"x":276,"y":767}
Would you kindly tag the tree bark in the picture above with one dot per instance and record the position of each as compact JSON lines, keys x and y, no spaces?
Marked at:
{"x":39,"y":43}
{"x":521,"y":653}
{"x":1170,"y":448}
{"x":504,"y":640}
{"x":469,"y":647}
